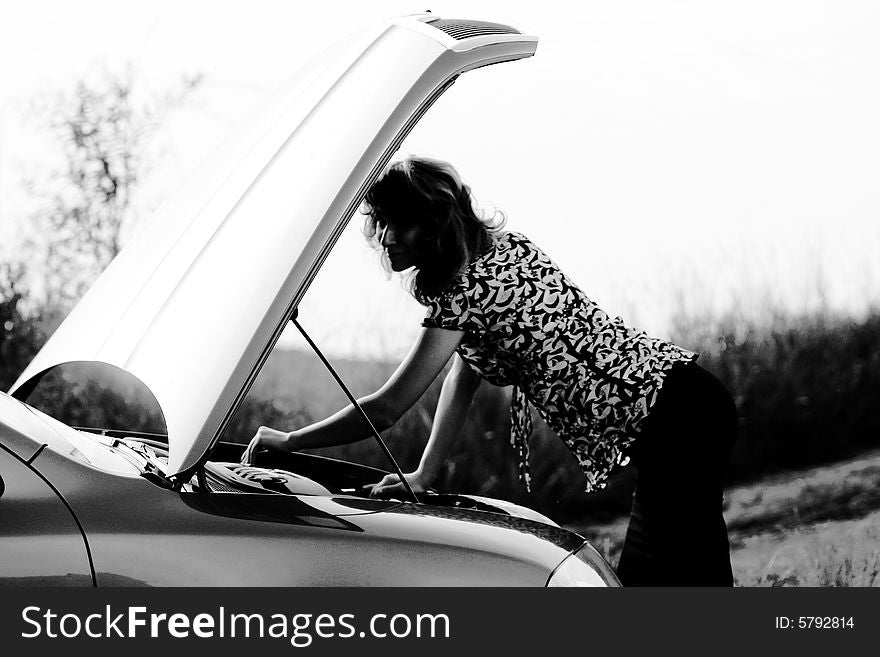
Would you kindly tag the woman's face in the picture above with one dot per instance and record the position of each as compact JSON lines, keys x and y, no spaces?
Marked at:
{"x":401,"y":243}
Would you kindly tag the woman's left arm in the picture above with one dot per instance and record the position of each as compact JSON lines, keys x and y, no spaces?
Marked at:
{"x":431,"y":351}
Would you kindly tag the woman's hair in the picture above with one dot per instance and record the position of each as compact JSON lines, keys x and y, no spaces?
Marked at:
{"x":430,"y":193}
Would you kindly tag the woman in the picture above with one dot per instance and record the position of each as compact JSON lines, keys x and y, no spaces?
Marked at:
{"x":505,"y":313}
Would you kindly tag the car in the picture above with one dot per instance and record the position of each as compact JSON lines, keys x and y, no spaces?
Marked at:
{"x":112,"y":471}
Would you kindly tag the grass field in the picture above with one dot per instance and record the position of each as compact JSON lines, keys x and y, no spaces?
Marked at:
{"x":815,"y":527}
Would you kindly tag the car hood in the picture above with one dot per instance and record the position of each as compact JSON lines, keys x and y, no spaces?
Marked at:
{"x":193,"y":305}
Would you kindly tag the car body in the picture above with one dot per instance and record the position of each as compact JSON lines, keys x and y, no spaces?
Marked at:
{"x":160,"y":500}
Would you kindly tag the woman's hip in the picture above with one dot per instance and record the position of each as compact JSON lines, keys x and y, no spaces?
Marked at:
{"x":693,"y":421}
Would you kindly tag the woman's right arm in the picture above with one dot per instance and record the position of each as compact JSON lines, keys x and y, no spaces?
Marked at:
{"x":456,"y":396}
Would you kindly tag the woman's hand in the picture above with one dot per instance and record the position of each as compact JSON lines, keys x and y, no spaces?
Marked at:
{"x":391,"y":486}
{"x":265,"y":441}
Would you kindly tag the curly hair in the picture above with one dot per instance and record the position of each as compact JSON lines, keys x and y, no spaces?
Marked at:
{"x":420,"y":190}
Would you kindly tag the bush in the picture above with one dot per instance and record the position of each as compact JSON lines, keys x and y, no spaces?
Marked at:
{"x":806,"y":391}
{"x":20,"y":334}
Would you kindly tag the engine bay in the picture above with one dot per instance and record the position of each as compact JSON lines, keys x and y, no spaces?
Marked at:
{"x":299,"y":473}
{"x":238,"y":478}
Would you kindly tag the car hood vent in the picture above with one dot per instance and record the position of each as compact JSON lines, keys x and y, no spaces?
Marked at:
{"x":458,"y":29}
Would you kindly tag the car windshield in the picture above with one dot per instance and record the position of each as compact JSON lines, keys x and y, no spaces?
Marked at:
{"x":97,"y":396}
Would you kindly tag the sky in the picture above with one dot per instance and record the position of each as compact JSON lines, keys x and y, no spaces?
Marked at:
{"x":670,"y":156}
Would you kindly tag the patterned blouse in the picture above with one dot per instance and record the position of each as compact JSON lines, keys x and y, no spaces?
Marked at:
{"x":525,"y":324}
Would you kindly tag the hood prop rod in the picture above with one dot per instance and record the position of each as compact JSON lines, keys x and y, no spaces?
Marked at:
{"x":357,"y":406}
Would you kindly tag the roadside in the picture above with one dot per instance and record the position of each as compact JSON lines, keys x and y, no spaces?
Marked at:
{"x":815,"y":527}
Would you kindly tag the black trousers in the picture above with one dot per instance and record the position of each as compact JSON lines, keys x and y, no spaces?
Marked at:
{"x":676,"y":534}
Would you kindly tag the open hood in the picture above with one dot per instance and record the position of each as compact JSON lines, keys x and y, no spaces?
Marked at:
{"x":193,"y":305}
